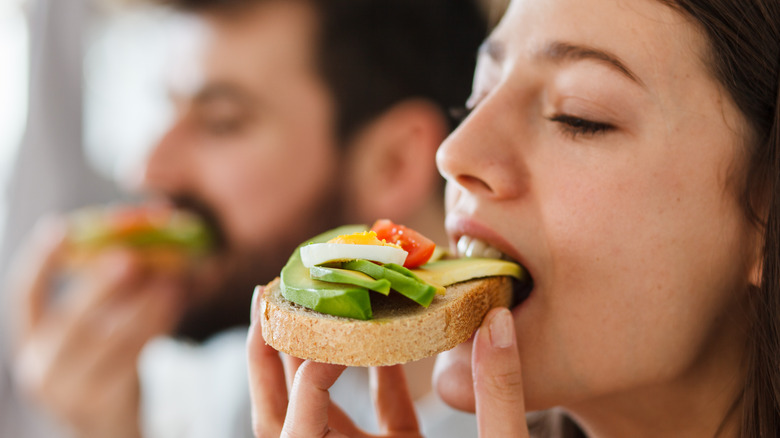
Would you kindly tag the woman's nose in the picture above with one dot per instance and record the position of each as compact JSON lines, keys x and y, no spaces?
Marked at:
{"x":482,"y":157}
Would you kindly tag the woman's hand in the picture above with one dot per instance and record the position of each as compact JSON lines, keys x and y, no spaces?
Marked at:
{"x":311,"y":413}
{"x":498,"y":381}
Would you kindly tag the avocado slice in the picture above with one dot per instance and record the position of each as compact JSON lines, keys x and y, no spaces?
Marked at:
{"x":335,"y":299}
{"x":418,"y":291}
{"x":401,"y":270}
{"x":92,"y":228}
{"x":343,"y":300}
{"x":336,"y":275}
{"x":440,"y":290}
{"x":447,"y":272}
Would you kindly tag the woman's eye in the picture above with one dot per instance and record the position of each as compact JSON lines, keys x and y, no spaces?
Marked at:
{"x":575,"y":126}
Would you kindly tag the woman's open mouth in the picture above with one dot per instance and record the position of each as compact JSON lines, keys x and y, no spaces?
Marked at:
{"x":469,"y":246}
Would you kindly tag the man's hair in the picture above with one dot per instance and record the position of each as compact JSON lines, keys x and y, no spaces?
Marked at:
{"x":376,"y":53}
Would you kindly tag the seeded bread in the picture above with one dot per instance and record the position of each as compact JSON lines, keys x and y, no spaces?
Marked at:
{"x":400,"y":331}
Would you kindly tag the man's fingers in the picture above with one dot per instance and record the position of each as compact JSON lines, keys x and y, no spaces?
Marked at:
{"x":85,"y":318}
{"x":266,"y":385}
{"x":392,"y":401}
{"x":136,"y":321}
{"x":498,"y":382}
{"x":71,"y":364}
{"x":33,"y":269}
{"x":307,"y":415}
{"x":111,"y":275}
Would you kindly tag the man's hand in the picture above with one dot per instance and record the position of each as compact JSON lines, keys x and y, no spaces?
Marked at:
{"x":77,"y":350}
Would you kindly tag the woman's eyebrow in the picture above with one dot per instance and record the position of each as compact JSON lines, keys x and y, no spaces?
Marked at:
{"x":562,"y":51}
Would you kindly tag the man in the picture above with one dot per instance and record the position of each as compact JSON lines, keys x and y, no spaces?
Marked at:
{"x":303,"y":115}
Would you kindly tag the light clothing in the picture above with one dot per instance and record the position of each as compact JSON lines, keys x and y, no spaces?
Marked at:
{"x":202,"y":391}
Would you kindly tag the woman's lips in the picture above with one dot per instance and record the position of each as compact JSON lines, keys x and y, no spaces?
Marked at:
{"x":491,"y":244}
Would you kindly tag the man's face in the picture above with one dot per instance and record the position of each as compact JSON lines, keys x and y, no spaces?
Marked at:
{"x":253,"y":143}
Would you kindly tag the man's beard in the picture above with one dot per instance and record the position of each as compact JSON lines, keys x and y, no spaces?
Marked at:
{"x":228,"y":304}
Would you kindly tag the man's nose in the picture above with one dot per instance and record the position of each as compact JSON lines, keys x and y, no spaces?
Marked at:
{"x":165,"y":167}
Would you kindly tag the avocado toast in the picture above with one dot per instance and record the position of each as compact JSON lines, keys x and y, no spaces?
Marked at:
{"x":358,"y":325}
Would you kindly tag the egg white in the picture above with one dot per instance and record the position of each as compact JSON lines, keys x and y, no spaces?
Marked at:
{"x":320,"y":253}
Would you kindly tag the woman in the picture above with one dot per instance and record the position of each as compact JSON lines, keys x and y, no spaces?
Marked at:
{"x":625,"y":153}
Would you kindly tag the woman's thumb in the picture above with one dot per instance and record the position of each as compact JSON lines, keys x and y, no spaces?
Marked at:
{"x":498,"y":382}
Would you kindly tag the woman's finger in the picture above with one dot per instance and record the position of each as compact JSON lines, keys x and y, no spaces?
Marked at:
{"x":254,"y":310}
{"x":310,"y":400}
{"x":392,"y":401}
{"x":498,"y":382}
{"x":266,"y":385}
{"x":291,"y":365}
{"x":340,"y":421}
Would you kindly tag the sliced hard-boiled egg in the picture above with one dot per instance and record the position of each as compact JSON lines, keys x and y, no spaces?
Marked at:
{"x":358,"y":246}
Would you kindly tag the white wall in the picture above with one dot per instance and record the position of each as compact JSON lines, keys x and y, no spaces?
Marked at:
{"x":14,"y":69}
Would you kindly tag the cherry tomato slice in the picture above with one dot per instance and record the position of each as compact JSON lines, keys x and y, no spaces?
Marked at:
{"x":128,"y":220}
{"x":419,"y":247}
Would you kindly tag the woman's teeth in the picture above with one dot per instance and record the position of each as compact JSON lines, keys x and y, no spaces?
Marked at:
{"x":472,"y":247}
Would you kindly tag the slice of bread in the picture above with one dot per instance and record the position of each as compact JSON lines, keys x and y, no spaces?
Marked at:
{"x":400,"y":331}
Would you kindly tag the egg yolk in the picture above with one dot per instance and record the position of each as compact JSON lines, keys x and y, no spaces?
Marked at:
{"x":362,"y":238}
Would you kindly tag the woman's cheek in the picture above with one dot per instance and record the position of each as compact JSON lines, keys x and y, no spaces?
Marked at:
{"x":452,"y":377}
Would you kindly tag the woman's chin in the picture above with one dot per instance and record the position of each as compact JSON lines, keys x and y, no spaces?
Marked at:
{"x":452,"y":377}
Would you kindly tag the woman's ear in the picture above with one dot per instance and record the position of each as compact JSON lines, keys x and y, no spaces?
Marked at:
{"x":390,"y":164}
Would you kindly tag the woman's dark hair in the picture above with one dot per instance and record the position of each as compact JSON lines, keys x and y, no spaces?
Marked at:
{"x":744,"y":55}
{"x":374,"y":54}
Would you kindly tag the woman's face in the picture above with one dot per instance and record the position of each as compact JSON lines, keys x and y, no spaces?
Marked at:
{"x":603,"y":156}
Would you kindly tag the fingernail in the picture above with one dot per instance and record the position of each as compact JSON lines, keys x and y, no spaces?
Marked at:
{"x":255,"y":303}
{"x":502,"y":329}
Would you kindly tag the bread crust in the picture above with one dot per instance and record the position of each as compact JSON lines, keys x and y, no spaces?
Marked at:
{"x":400,"y":331}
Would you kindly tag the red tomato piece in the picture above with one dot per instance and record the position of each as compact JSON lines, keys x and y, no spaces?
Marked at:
{"x":419,"y":247}
{"x":128,"y":220}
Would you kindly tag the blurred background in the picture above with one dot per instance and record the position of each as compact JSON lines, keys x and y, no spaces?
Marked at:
{"x":83,"y":98}
{"x":14,"y":57}
{"x":72,"y":87}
